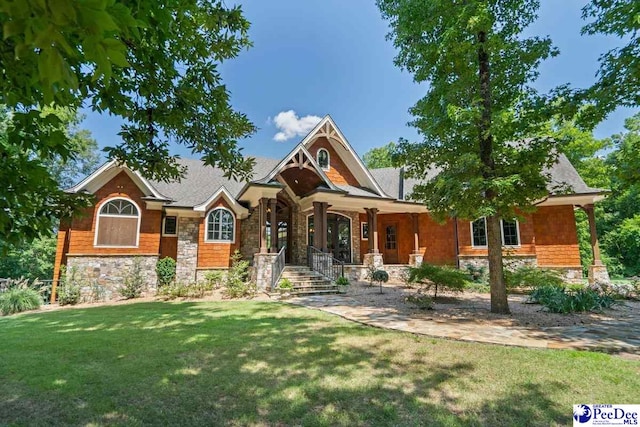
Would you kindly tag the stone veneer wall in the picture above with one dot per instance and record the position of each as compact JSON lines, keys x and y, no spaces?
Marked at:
{"x":513,"y":262}
{"x":187,"y":253}
{"x":250,"y":234}
{"x":110,"y":271}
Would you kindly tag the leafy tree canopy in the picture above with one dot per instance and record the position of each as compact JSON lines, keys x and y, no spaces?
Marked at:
{"x":380,"y":157}
{"x":155,"y":65}
{"x":619,"y":75}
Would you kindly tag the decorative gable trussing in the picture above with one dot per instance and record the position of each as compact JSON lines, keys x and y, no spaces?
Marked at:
{"x":327,"y":128}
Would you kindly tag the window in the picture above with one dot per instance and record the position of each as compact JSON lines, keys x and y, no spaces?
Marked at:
{"x":510,"y":232}
{"x":220,"y":226}
{"x":170,"y":226}
{"x":364,"y":230}
{"x":118,"y":224}
{"x":479,"y":232}
{"x":323,"y":159}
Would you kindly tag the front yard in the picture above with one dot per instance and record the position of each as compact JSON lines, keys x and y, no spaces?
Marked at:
{"x":264,"y":363}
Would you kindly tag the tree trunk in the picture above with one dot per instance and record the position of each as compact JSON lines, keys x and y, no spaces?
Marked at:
{"x":499,"y":303}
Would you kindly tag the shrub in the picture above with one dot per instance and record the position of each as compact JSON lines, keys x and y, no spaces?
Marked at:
{"x":285,"y":285}
{"x":479,"y":287}
{"x":342,"y":281}
{"x":477,"y":273}
{"x":166,"y":271}
{"x":559,"y":300}
{"x":421,"y":301}
{"x":133,"y":281}
{"x":380,"y":276}
{"x":532,"y":277}
{"x":236,"y":283}
{"x":19,"y":298}
{"x":213,"y":279}
{"x":69,"y":288}
{"x":433,"y":276}
{"x":98,"y":293}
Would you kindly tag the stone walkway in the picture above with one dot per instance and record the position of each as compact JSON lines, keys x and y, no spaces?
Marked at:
{"x":615,"y":337}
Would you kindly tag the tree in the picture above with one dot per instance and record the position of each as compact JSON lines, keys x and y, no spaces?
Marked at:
{"x":483,"y":124}
{"x":619,"y":74}
{"x":153,"y":64}
{"x":380,"y":157}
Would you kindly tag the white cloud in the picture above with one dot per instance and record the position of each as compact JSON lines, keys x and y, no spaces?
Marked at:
{"x":290,"y":125}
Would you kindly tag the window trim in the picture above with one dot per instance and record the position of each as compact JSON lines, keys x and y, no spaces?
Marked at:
{"x":501,"y":234}
{"x":164,"y":218}
{"x":98,"y":215}
{"x":206,"y":226}
{"x":328,"y":167}
{"x":364,"y":224}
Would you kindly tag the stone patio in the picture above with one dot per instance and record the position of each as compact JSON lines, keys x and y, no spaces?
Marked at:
{"x":614,"y":335}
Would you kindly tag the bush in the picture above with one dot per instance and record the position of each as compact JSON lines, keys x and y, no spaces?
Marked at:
{"x":213,"y":279}
{"x":421,"y":301}
{"x":19,"y":298}
{"x":342,"y":281}
{"x":380,"y":276}
{"x":559,"y":300}
{"x":433,"y":276}
{"x":285,"y":285}
{"x":134,"y":281}
{"x":69,"y":288}
{"x":478,"y":274}
{"x":183,"y":290}
{"x":236,"y":283}
{"x":98,"y":293}
{"x":166,"y":271}
{"x":532,"y":277}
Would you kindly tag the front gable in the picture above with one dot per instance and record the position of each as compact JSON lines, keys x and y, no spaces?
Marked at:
{"x":345,"y":167}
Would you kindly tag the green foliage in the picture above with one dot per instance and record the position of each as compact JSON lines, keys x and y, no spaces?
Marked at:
{"x":421,"y":301}
{"x":31,"y":260}
{"x":97,"y":293}
{"x":166,"y":271}
{"x":285,"y":285}
{"x":623,"y":243}
{"x":213,"y":279}
{"x":434,"y":276}
{"x":532,"y":277}
{"x":154,"y":65}
{"x":482,"y":288}
{"x":477,"y":273}
{"x":19,"y":299}
{"x":179,"y":289}
{"x":133,"y":281}
{"x":237,"y":284}
{"x":618,"y":82}
{"x":559,"y":300}
{"x":343,"y":281}
{"x":380,"y":276}
{"x":480,"y":68}
{"x":69,"y":287}
{"x":381,"y":157}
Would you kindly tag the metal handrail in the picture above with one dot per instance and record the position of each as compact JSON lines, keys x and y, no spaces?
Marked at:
{"x":333,"y":271}
{"x":277,"y":266}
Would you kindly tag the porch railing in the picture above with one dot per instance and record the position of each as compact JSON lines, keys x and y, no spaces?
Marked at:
{"x":277,"y":267}
{"x":324,"y":263}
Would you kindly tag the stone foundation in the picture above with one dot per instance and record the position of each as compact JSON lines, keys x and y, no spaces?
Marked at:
{"x":101,"y":277}
{"x":510,"y":262}
{"x":360,"y":273}
{"x":415,"y":259}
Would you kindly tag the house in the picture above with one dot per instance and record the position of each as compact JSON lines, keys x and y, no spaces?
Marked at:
{"x":319,"y":196}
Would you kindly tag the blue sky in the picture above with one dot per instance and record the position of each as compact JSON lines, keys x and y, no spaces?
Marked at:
{"x":317,"y":57}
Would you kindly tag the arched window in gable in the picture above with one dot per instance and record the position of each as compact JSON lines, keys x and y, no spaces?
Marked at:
{"x":220,"y":226}
{"x":323,"y":159}
{"x":118,"y":224}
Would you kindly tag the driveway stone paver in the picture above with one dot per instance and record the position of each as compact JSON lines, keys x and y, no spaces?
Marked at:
{"x":619,"y":337}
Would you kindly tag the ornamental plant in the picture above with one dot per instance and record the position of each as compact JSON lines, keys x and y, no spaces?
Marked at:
{"x":166,"y":271}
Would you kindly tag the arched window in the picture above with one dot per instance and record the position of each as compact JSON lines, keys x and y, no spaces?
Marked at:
{"x":323,"y":159}
{"x":118,"y":224}
{"x":220,"y":226}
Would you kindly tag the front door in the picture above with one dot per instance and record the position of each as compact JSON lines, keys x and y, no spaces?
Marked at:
{"x":390,"y":251}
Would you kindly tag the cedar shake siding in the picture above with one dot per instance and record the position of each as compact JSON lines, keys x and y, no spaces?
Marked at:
{"x":556,"y":237}
{"x":216,"y":254}
{"x":338,"y":172}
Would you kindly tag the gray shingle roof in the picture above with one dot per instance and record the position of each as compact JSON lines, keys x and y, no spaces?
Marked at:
{"x":202,"y":181}
{"x":562,"y":173}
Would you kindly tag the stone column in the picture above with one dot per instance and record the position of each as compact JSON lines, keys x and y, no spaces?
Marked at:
{"x":187,"y":253}
{"x":415,"y":259}
{"x":274,"y":225}
{"x":597,"y":270}
{"x":263,"y":225}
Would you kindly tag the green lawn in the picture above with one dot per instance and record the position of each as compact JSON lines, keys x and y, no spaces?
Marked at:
{"x":239,"y":363}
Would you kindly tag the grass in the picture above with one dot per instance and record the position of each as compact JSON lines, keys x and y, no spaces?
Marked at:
{"x":252,"y":363}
